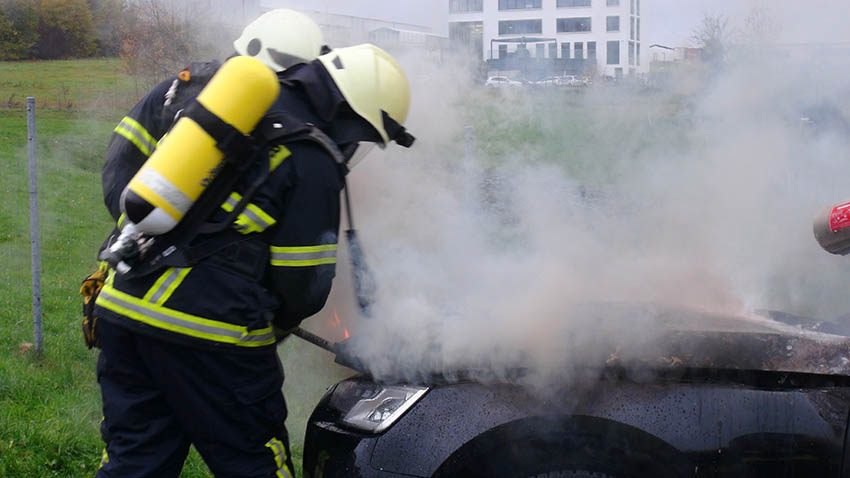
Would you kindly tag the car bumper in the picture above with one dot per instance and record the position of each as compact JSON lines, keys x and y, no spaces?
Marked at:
{"x":332,"y":452}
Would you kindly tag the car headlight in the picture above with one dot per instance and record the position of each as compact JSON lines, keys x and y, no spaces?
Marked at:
{"x":371,"y":407}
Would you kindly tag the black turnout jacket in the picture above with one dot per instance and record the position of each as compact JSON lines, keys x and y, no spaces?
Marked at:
{"x":278,"y":268}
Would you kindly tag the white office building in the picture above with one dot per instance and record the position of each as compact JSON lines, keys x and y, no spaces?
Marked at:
{"x":602,"y":34}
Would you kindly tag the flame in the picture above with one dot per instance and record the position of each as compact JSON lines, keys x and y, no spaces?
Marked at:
{"x":336,"y":323}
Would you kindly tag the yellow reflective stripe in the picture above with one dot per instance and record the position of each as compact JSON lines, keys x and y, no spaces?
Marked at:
{"x":181,"y":322}
{"x":252,"y":219}
{"x":136,"y":134}
{"x":279,"y":451}
{"x":121,"y":220}
{"x":166,"y":284}
{"x":231,"y":202}
{"x":277,"y":155}
{"x":303,"y":256}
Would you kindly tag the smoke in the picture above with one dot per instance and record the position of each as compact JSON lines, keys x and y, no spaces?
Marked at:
{"x":701,"y":200}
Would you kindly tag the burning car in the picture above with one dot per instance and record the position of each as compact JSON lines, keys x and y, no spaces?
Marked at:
{"x":709,"y":395}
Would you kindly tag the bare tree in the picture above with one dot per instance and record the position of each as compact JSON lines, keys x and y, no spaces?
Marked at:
{"x":761,"y":26}
{"x":160,"y":38}
{"x":713,"y":37}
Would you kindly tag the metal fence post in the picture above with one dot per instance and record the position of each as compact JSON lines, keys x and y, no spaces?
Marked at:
{"x":36,"y":252}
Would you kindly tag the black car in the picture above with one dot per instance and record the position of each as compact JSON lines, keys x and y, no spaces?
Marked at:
{"x":714,"y":396}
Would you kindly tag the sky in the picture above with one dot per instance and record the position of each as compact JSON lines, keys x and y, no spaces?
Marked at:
{"x":668,"y":22}
{"x":671,"y":22}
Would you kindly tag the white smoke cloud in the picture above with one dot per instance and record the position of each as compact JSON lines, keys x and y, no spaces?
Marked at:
{"x":702,"y":201}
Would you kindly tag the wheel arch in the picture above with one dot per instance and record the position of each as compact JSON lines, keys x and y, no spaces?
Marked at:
{"x":576,"y":441}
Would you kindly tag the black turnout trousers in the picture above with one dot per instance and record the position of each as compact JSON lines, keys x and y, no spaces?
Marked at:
{"x":160,"y":397}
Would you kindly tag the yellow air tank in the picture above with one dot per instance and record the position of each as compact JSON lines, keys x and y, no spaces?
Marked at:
{"x":185,"y":162}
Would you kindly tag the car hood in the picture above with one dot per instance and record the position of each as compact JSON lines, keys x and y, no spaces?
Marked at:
{"x":757,"y":341}
{"x":671,"y":338}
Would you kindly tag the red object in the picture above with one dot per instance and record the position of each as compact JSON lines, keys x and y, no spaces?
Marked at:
{"x":839,"y":218}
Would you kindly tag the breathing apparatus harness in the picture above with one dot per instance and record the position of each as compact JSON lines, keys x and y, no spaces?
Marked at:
{"x":182,"y":247}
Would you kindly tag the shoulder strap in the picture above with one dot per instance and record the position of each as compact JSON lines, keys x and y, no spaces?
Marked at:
{"x":173,"y":248}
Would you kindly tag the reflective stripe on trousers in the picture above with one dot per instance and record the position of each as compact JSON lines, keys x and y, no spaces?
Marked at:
{"x":279,"y":451}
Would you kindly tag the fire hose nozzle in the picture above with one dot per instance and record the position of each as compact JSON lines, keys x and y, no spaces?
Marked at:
{"x":341,"y":350}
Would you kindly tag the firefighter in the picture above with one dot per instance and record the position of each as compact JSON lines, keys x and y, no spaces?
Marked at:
{"x":188,"y":352}
{"x":279,"y":38}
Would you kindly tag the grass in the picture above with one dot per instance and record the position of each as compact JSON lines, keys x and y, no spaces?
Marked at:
{"x":94,"y":85}
{"x":595,"y":135}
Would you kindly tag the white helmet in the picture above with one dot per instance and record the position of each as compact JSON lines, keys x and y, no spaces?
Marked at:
{"x":375,"y":87}
{"x":281,"y":38}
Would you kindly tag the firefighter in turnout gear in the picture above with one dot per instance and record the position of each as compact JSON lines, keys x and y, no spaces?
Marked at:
{"x":188,"y":347}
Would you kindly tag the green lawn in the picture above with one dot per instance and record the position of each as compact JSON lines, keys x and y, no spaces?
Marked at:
{"x":94,"y":85}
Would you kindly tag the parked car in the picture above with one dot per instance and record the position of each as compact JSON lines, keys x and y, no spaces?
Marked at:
{"x":718,"y":397}
{"x":549,"y":81}
{"x":502,"y":82}
{"x":572,"y":80}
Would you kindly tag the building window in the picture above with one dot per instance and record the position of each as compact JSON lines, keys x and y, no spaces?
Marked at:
{"x":539,"y":50}
{"x":573,"y":3}
{"x":632,"y":28}
{"x":613,"y":53}
{"x":618,"y":73}
{"x":572,"y":25}
{"x":631,"y":53}
{"x":579,"y":53}
{"x":565,"y":50}
{"x":553,"y":50}
{"x":638,"y":29}
{"x":591,"y":50}
{"x":613,"y":24}
{"x":503,"y":51}
{"x":519,"y":4}
{"x":633,"y":6}
{"x":520,"y":27}
{"x":468,"y":35}
{"x":638,"y":7}
{"x":466,"y":6}
{"x":612,"y":3}
{"x":637,"y":50}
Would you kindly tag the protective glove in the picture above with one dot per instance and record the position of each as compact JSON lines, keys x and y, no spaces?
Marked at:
{"x":89,"y":289}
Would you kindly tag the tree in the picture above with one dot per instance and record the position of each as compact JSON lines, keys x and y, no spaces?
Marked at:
{"x":761,"y":26}
{"x":110,"y":18}
{"x":712,"y":36}
{"x":65,"y":29}
{"x":161,"y":38}
{"x":18,"y":29}
{"x":7,"y":37}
